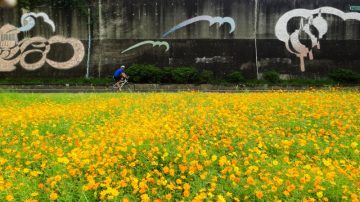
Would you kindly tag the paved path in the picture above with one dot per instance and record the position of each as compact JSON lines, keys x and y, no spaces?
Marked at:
{"x":157,"y":88}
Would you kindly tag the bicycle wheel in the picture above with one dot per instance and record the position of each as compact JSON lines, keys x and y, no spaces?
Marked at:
{"x":129,"y":88}
{"x":113,"y":88}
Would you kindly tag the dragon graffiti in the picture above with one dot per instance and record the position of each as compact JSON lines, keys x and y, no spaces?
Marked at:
{"x":14,"y":52}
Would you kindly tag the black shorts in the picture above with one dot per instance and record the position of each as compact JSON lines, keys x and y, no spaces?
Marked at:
{"x":117,"y":79}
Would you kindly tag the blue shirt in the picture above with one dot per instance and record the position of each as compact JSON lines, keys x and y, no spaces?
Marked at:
{"x":118,"y":73}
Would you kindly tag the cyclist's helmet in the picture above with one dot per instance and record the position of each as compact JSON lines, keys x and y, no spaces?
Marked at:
{"x":123,"y":67}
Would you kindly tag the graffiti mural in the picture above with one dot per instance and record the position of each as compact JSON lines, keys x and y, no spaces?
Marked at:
{"x":28,"y":21}
{"x":153,"y":43}
{"x":215,"y":59}
{"x":210,"y":19}
{"x":13,"y":51}
{"x":312,"y":24}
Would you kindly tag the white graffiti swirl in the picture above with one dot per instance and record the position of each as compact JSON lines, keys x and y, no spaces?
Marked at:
{"x":153,"y":43}
{"x":210,"y":19}
{"x":28,"y":21}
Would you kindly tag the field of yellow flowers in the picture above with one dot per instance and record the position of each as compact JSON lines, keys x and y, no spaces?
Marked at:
{"x":180,"y":147}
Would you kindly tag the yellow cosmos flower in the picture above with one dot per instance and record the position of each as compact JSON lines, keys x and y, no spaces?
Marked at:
{"x":9,"y":198}
{"x":250,"y":181}
{"x":145,"y":198}
{"x":63,"y":160}
{"x":319,"y":194}
{"x":54,"y":196}
{"x":220,"y":198}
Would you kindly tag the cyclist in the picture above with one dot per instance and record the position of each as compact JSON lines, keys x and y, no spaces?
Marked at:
{"x":120,"y":76}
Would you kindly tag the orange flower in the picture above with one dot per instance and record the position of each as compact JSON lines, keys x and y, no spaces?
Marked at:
{"x":291,"y":188}
{"x":166,"y":170}
{"x":186,"y":186}
{"x":168,"y":197}
{"x":250,"y":181}
{"x":182,"y":168}
{"x":259,"y":195}
{"x":186,"y":193}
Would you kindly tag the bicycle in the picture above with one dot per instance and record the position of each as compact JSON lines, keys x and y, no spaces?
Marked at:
{"x":125,"y":85}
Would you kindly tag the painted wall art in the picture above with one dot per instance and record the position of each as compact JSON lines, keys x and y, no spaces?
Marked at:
{"x":312,"y":24}
{"x":212,"y":20}
{"x":13,"y":51}
{"x":153,"y":43}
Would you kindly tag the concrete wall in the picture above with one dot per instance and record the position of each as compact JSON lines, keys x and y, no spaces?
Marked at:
{"x":116,"y":25}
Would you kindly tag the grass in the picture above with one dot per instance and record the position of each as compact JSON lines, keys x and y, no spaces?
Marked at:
{"x":180,"y":146}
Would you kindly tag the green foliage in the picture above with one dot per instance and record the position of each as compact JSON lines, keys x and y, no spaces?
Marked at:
{"x":235,"y":77}
{"x":271,"y":76}
{"x":140,"y":73}
{"x":145,"y":73}
{"x":206,"y":76}
{"x":345,"y":76}
{"x":184,"y":75}
{"x":167,"y":75}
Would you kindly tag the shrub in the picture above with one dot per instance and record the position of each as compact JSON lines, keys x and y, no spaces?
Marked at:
{"x":206,"y":76}
{"x":345,"y":76}
{"x":235,"y":77}
{"x":271,"y":76}
{"x":167,"y":75}
{"x":145,"y":73}
{"x":184,"y":75}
